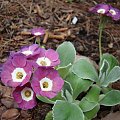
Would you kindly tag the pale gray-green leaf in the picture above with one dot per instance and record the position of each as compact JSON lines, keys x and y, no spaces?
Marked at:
{"x":110,"y":59}
{"x":63,"y":110}
{"x":67,"y":92}
{"x":66,"y":53}
{"x":79,"y":85}
{"x":93,"y":94}
{"x":86,"y":105}
{"x":111,"y":98}
{"x":46,"y":100}
{"x":92,"y":113}
{"x":113,"y":76}
{"x":85,"y":70}
{"x":63,"y":71}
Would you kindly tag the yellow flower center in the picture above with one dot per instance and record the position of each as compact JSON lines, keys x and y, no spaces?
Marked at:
{"x":43,"y":63}
{"x":19,"y":75}
{"x":45,"y":85}
{"x":27,"y":93}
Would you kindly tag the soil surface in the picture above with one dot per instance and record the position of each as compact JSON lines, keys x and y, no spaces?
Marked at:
{"x":17,"y":17}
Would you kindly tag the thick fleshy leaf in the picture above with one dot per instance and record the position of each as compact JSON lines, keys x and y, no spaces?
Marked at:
{"x":104,"y":69}
{"x":113,"y":76}
{"x":66,"y":53}
{"x":110,"y":59}
{"x":46,"y":100}
{"x":50,"y":101}
{"x":111,"y":98}
{"x":49,"y":116}
{"x":91,"y":99}
{"x":58,"y":97}
{"x":86,"y":105}
{"x":84,"y":69}
{"x":92,"y":113}
{"x":63,"y":110}
{"x":79,"y":85}
{"x":63,"y":71}
{"x":93,"y":94}
{"x":67,"y":92}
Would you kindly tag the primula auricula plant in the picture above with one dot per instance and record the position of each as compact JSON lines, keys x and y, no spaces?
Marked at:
{"x":57,"y":77}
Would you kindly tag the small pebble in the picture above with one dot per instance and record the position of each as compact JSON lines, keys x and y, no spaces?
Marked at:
{"x":25,"y":114}
{"x":7,"y":102}
{"x":110,"y":45}
{"x":10,"y":114}
{"x":7,"y":91}
{"x":2,"y":109}
{"x":74,"y":20}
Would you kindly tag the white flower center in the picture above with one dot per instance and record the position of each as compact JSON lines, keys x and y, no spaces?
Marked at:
{"x":37,"y":33}
{"x":102,"y":11}
{"x":46,"y":84}
{"x":27,"y":52}
{"x":18,"y":75}
{"x":113,"y":12}
{"x":43,"y":61}
{"x":27,"y":94}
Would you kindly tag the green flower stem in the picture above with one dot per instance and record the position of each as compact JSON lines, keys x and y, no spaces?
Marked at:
{"x":101,"y":27}
{"x":37,"y":40}
{"x":100,"y":40}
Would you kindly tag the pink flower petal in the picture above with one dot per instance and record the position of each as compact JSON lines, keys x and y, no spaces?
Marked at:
{"x":19,"y":60}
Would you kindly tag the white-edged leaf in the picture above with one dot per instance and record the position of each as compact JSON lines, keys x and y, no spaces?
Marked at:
{"x":92,"y":113}
{"x":66,"y":53}
{"x":111,"y":98}
{"x":64,"y":110}
{"x":63,"y":71}
{"x":113,"y":76}
{"x":86,"y":105}
{"x":67,"y":91}
{"x":110,"y":59}
{"x":85,"y":70}
{"x":46,"y":100}
{"x":79,"y":85}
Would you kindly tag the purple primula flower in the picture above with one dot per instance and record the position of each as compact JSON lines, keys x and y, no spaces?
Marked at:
{"x":114,"y":13}
{"x":25,"y":97}
{"x":16,"y":71}
{"x":100,"y":8}
{"x":47,"y":58}
{"x":47,"y":82}
{"x":30,"y":51}
{"x":38,"y":31}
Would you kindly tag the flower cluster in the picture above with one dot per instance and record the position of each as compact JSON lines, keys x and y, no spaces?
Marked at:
{"x":107,"y":10}
{"x":31,"y":72}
